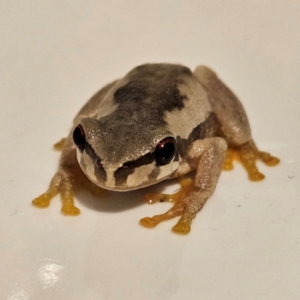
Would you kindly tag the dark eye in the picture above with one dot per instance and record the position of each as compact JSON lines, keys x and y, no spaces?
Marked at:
{"x":79,"y":138}
{"x":165,"y":151}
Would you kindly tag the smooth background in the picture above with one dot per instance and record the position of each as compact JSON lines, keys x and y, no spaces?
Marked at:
{"x":245,"y":242}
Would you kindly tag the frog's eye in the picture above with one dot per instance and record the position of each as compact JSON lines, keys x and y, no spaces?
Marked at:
{"x":79,"y":137}
{"x":165,"y":151}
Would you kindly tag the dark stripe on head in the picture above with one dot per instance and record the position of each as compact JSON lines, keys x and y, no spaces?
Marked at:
{"x":129,"y":167}
{"x":100,"y":172}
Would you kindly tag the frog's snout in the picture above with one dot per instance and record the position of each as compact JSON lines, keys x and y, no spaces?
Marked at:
{"x":79,"y":137}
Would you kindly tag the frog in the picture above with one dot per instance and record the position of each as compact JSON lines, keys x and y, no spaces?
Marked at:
{"x":159,"y":122}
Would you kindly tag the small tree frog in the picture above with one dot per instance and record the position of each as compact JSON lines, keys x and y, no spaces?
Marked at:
{"x":160,"y":121}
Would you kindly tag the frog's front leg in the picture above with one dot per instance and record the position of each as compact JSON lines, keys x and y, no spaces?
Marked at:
{"x":63,"y":182}
{"x":67,"y":179}
{"x":206,"y":156}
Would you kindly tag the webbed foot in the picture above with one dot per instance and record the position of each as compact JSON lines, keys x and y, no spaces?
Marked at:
{"x":247,"y":154}
{"x":70,"y":210}
{"x":181,"y":228}
{"x":61,"y":183}
{"x":180,"y":200}
{"x":187,"y":185}
{"x":149,"y":222}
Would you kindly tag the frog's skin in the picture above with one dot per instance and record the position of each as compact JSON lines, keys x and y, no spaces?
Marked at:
{"x":160,"y":121}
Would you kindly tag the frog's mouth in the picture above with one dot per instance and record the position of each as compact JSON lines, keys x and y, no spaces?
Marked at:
{"x":125,"y":178}
{"x":126,"y":188}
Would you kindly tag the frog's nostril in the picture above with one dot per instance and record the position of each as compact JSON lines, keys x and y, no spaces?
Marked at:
{"x":79,"y":137}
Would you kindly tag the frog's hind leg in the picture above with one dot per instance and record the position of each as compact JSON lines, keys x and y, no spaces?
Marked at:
{"x":228,"y":160}
{"x":234,"y":125}
{"x":248,"y":154}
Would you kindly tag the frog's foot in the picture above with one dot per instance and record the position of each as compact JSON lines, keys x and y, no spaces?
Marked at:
{"x":63,"y":184}
{"x":187,"y":185}
{"x":228,"y":160}
{"x":181,"y":204}
{"x":248,"y":154}
{"x":175,"y":211}
{"x":183,"y":226}
{"x":59,"y":145}
{"x":187,"y":208}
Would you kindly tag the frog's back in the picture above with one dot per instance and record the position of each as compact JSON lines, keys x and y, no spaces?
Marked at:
{"x":163,"y":95}
{"x":157,"y":86}
{"x":153,"y":86}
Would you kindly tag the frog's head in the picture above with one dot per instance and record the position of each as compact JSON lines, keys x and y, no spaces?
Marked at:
{"x":124,"y":156}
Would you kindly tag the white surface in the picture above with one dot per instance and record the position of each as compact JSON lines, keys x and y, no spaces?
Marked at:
{"x":245,"y":244}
